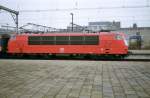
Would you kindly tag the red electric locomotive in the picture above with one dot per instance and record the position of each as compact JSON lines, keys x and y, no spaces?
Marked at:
{"x":0,"y":44}
{"x":103,"y":43}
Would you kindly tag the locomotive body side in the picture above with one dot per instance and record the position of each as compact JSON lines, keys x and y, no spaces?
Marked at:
{"x":29,"y":44}
{"x":99,"y":43}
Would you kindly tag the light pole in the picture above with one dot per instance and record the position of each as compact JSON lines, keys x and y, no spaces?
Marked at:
{"x":13,"y":12}
{"x":72,"y":20}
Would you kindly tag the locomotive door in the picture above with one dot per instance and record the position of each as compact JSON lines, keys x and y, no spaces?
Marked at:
{"x":108,"y":44}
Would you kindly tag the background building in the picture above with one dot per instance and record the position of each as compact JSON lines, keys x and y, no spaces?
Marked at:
{"x":76,"y":28}
{"x":92,"y":27}
{"x":98,"y":26}
{"x":144,"y":32}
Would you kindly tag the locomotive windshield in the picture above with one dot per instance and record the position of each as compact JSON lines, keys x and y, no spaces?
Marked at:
{"x":121,"y":37}
{"x":118,"y":37}
{"x":126,"y":42}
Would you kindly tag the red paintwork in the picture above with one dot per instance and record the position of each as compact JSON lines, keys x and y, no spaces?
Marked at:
{"x":0,"y":44}
{"x":107,"y":45}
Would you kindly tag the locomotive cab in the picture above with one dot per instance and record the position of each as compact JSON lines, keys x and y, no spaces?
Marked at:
{"x":114,"y":43}
{"x":123,"y":42}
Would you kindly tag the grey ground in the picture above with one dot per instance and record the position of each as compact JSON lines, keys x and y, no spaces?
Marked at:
{"x":74,"y":79}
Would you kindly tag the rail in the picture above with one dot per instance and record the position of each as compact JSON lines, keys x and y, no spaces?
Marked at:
{"x":137,"y":59}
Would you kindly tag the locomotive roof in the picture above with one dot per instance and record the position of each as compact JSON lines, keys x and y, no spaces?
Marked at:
{"x":72,"y":34}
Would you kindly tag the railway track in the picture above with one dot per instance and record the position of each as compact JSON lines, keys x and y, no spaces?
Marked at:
{"x":143,"y":54}
{"x":145,"y":58}
{"x":137,"y":60}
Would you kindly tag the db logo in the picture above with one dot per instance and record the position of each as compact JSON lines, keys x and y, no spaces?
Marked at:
{"x":61,"y":50}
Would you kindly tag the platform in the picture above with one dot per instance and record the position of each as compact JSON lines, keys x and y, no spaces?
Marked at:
{"x":74,"y":79}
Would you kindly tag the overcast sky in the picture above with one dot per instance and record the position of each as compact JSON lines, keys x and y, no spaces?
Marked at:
{"x":61,"y":18}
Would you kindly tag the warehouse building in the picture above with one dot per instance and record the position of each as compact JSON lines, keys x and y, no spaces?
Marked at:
{"x":106,"y":25}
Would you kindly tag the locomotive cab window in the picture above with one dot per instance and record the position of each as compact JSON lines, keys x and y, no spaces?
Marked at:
{"x":118,"y":37}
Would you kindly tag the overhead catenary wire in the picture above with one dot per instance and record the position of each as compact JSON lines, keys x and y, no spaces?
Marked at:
{"x":90,"y":18}
{"x":79,"y":9}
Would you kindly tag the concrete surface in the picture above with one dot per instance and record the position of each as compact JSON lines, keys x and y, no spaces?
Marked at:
{"x":74,"y":79}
